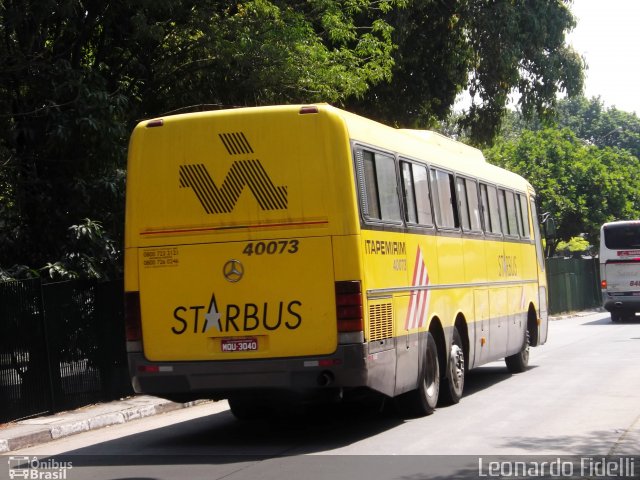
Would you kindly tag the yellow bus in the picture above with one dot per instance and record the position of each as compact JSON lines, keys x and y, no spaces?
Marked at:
{"x":298,"y":253}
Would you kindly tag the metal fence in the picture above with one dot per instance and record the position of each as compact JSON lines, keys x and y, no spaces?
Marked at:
{"x":574,"y":284}
{"x":61,"y":346}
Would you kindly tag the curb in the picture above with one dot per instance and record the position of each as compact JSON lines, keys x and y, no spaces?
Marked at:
{"x":26,"y":433}
{"x":574,"y":314}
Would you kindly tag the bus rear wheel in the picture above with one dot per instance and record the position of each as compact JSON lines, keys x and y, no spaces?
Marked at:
{"x":519,"y":362}
{"x":453,"y":381}
{"x":619,"y":315}
{"x":423,"y":400}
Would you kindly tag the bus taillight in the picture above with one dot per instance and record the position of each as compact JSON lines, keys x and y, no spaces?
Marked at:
{"x":349,"y":306}
{"x":132,"y":321}
{"x":603,"y":284}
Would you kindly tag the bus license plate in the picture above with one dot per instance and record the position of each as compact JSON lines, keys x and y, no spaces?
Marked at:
{"x":239,"y":344}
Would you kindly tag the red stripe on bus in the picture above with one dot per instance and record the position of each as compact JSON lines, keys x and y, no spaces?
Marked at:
{"x":238,"y":227}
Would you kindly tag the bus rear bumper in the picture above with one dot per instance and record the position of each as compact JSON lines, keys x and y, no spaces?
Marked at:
{"x":624,"y":302}
{"x":349,"y":367}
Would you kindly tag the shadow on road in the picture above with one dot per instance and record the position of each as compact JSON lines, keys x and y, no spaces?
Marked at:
{"x":607,"y":321}
{"x":293,"y":446}
{"x":318,"y":429}
{"x":482,"y":378}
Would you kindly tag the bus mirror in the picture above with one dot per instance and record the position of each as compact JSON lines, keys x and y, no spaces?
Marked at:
{"x":549,"y":225}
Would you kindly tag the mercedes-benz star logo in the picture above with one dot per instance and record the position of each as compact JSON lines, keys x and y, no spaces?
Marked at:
{"x":233,"y":271}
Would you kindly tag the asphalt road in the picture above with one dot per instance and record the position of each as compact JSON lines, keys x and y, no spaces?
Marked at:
{"x":580,"y":397}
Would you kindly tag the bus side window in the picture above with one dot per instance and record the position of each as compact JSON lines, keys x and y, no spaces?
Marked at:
{"x":490,"y":210}
{"x":463,"y":203}
{"x":468,"y":200}
{"x":379,"y":184}
{"x":408,"y":192}
{"x":371,"y":204}
{"x":444,"y":200}
{"x":523,"y":216}
{"x":505,"y":221}
{"x":474,"y":209}
{"x":512,"y":220}
{"x":415,"y":189}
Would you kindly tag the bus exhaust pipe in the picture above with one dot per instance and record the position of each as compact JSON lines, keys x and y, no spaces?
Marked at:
{"x":325,"y":379}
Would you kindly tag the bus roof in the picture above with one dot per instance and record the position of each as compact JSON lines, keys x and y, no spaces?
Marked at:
{"x":425,"y":145}
{"x":429,"y":146}
{"x":620,"y":222}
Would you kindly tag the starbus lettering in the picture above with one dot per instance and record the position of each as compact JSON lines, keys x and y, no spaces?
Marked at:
{"x":383,"y":247}
{"x":247,"y":317}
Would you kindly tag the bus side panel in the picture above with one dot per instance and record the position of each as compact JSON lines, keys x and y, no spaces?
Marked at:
{"x":477,"y":311}
{"x":498,"y":334}
{"x":513,"y":270}
{"x":413,"y":307}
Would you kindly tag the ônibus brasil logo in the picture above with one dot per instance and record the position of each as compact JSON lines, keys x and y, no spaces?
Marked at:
{"x":33,"y":468}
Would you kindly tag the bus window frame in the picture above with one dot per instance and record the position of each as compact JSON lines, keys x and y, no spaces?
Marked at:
{"x":524,"y":215}
{"x":404,"y":224}
{"x":477,"y":181}
{"x":488,"y":231}
{"x":457,"y":228}
{"x":359,"y":171}
{"x":403,"y":159}
{"x":505,"y":190}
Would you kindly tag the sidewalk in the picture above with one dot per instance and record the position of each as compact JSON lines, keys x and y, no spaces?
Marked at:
{"x":35,"y":431}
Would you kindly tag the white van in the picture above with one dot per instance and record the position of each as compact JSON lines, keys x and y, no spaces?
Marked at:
{"x":620,"y":268}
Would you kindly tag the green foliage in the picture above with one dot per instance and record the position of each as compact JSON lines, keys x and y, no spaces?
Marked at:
{"x":574,"y":245}
{"x":589,"y":119}
{"x":580,"y":185}
{"x":600,"y":126}
{"x":62,"y":131}
{"x":492,"y":48}
{"x":90,"y":254}
{"x":75,"y":77}
{"x":599,"y":183}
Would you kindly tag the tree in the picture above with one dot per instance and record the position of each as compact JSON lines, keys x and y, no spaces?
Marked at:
{"x":581,"y":186}
{"x":76,"y":76}
{"x":600,"y":126}
{"x":588,"y":119}
{"x":492,"y":48}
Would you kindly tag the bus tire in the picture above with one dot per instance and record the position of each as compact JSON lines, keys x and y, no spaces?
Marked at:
{"x":423,"y":400}
{"x":519,"y":362}
{"x":616,"y":316}
{"x":453,"y":379}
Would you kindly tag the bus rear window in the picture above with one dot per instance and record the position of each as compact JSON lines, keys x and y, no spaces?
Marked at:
{"x":622,"y":237}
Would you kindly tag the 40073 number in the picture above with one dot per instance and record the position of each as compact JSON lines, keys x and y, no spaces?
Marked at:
{"x":274,"y":247}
